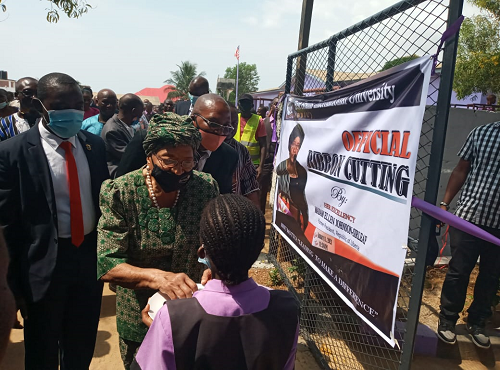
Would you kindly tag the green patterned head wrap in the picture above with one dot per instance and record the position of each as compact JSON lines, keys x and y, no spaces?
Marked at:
{"x":170,"y":130}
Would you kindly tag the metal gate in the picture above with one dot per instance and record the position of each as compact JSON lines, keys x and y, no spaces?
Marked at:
{"x":336,"y":336}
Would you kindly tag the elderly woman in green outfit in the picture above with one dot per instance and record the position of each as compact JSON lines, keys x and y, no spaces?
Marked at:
{"x":148,"y":232}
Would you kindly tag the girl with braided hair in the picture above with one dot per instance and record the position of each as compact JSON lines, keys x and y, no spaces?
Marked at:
{"x":232,"y":323}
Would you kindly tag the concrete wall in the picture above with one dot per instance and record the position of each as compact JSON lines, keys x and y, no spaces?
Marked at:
{"x":460,"y":124}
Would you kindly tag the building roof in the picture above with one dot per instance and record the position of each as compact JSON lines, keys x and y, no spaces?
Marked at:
{"x":320,"y":76}
{"x":9,"y":85}
{"x":160,"y":92}
{"x":339,"y":76}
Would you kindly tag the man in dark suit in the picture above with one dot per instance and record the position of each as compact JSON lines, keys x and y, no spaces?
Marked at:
{"x":197,"y":87}
{"x":210,"y":116}
{"x":50,"y":178}
{"x":118,"y":131}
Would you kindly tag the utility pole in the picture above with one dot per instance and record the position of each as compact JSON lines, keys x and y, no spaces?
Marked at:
{"x":305,"y":28}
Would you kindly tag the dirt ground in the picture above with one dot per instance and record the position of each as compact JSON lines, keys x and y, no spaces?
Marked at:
{"x":429,"y":310}
{"x":107,"y":356}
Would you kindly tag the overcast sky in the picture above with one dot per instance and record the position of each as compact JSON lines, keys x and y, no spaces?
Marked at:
{"x":128,"y":45}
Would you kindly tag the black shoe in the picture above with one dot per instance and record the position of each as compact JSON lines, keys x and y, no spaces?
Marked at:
{"x":479,"y":337}
{"x":446,"y":332}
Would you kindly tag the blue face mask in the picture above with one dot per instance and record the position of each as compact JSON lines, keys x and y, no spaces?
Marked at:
{"x":65,"y":123}
{"x":205,"y":261}
{"x":3,"y":105}
{"x":192,"y":98}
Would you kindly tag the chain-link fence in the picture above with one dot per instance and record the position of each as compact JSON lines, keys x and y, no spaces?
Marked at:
{"x":337,"y":337}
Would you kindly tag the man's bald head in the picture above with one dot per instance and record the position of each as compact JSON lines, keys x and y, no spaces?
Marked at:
{"x":53,"y":84}
{"x":211,"y":109}
{"x":25,"y":81}
{"x":131,"y":108}
{"x":104,"y":93}
{"x":198,"y":86}
{"x":129,"y":101}
{"x":107,"y":103}
{"x":211,"y":103}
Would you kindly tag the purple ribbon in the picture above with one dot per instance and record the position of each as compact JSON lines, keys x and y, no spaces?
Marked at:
{"x":452,"y":220}
{"x":450,"y":31}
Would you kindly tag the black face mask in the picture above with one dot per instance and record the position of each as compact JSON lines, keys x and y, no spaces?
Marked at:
{"x":246,"y":106}
{"x":169,"y":181}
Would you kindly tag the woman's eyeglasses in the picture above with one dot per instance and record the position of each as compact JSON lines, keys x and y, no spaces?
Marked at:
{"x":168,"y":164}
{"x":215,"y":128}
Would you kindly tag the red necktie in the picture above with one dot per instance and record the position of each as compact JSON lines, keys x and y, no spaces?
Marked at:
{"x":75,"y":203}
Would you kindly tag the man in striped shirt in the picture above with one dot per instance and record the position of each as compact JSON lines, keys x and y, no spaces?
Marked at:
{"x":245,"y":176}
{"x":478,"y":175}
{"x":26,"y":90}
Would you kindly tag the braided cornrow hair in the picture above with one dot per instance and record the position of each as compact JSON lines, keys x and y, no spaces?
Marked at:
{"x":232,"y":230}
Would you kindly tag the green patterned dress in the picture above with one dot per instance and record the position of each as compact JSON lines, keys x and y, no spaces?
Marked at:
{"x":132,"y":230}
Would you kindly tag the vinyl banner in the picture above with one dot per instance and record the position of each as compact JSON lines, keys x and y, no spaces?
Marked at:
{"x":345,"y":168}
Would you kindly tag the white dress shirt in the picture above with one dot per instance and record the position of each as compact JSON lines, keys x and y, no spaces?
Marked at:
{"x":57,"y":166}
{"x":203,"y":155}
{"x":129,"y":129}
{"x":21,"y":124}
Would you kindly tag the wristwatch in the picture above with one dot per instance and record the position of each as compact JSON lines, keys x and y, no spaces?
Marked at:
{"x":445,"y":204}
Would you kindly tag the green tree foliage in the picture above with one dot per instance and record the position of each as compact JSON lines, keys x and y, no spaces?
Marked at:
{"x":491,"y":6}
{"x":248,"y":79}
{"x":181,"y":79}
{"x":398,"y":61}
{"x":72,"y":8}
{"x":478,"y":57}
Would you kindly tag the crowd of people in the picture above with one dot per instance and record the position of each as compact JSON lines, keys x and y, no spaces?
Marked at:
{"x":148,"y":199}
{"x":162,"y":199}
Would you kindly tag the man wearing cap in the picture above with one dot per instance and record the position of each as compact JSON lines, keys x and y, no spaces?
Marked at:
{"x":251,"y":132}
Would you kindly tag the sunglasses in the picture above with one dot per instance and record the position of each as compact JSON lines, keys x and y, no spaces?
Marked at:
{"x":215,"y":128}
{"x":28,"y":93}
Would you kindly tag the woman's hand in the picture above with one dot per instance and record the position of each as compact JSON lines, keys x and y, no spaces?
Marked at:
{"x":146,"y":319}
{"x":173,"y":285}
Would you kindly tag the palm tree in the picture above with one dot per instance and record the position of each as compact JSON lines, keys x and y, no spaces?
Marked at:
{"x":181,"y":79}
